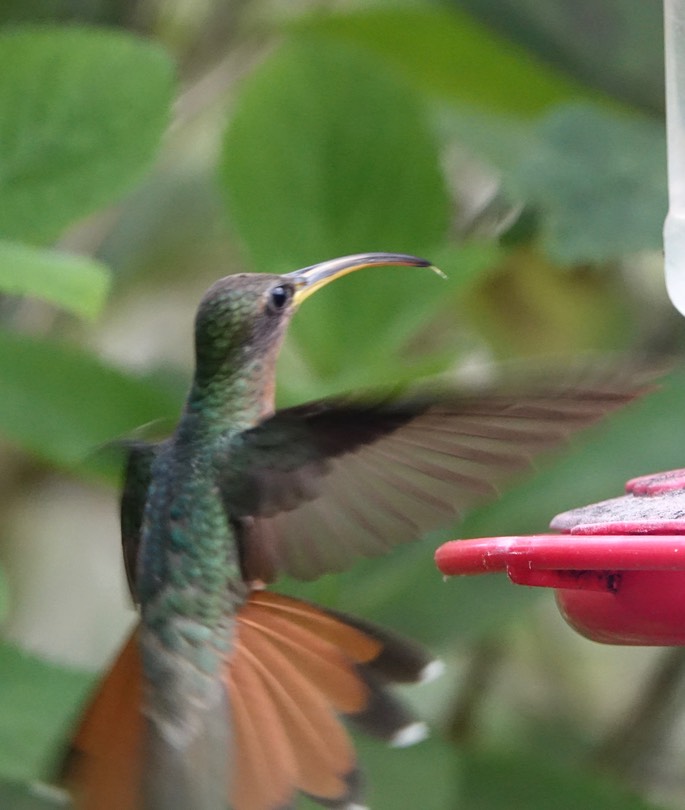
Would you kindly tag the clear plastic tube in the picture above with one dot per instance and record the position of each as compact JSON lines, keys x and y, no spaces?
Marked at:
{"x":674,"y":227}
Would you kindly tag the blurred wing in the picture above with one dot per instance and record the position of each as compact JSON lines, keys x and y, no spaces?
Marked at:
{"x":133,"y":497}
{"x":315,"y":487}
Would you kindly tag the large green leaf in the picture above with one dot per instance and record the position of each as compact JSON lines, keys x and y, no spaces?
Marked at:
{"x":76,"y":283}
{"x":327,"y":153}
{"x":599,"y":181}
{"x":82,"y":112}
{"x":38,"y":702}
{"x":574,"y":38}
{"x":448,"y":53}
{"x":62,"y":404}
{"x":595,"y":177}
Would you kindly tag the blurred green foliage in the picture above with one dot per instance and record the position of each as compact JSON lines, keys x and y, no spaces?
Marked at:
{"x":38,"y":704}
{"x":344,"y":152}
{"x":76,"y":283}
{"x":71,"y":137}
{"x":492,"y":138}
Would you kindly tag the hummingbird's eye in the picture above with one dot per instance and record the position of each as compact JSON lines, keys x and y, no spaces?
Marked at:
{"x":279,"y":297}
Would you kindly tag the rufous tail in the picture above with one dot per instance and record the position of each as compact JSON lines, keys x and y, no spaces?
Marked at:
{"x":294,"y":670}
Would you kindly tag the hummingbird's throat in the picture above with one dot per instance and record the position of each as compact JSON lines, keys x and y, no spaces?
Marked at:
{"x":233,"y":398}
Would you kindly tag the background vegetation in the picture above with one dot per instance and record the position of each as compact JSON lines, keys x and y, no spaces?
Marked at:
{"x":148,"y":147}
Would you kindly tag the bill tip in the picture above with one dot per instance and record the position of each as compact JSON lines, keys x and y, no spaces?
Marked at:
{"x":437,"y":271}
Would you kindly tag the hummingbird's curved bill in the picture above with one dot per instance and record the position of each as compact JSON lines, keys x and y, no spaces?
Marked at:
{"x":230,"y":695}
{"x":310,"y":279}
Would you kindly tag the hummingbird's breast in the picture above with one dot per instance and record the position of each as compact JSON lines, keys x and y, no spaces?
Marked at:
{"x":189,"y":589}
{"x":190,"y":583}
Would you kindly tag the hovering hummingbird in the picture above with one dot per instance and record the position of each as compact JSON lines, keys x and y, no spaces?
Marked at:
{"x":227,"y":694}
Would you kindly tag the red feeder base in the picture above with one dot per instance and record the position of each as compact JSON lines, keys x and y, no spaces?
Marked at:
{"x":618,"y":568}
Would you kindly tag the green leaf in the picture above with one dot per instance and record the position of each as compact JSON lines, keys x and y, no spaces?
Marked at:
{"x":448,"y":53}
{"x":599,"y":180}
{"x":328,"y":153}
{"x":76,"y":283}
{"x":596,"y":177}
{"x":62,"y":404}
{"x":82,"y":112}
{"x":492,"y":780}
{"x":632,"y":69}
{"x":38,"y":703}
{"x":502,"y":140}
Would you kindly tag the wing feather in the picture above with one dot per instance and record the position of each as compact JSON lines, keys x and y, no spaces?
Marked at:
{"x":315,"y":487}
{"x":137,"y":476}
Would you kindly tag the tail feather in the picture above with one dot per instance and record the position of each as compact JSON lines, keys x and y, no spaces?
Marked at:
{"x":264,"y":763}
{"x":294,"y":669}
{"x":322,"y":663}
{"x":338,"y":630}
{"x":398,"y":660}
{"x":322,"y":749}
{"x":103,"y":768}
{"x":313,"y":664}
{"x":384,"y":716}
{"x":351,"y":800}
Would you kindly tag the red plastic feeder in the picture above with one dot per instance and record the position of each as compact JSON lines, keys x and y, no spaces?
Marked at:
{"x":618,"y":567}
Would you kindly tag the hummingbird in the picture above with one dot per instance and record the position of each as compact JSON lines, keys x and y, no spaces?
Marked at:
{"x":227,"y":694}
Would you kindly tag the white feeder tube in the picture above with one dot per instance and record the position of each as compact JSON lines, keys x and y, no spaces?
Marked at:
{"x":674,"y":227}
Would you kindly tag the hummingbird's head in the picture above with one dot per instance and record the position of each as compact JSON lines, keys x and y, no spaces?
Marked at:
{"x":242,"y":319}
